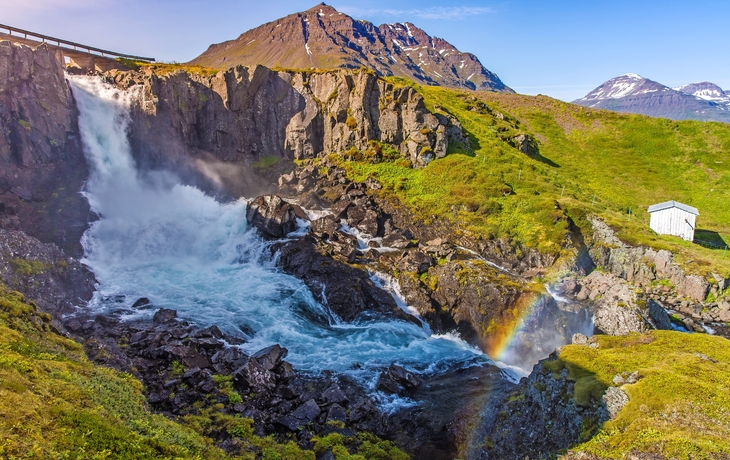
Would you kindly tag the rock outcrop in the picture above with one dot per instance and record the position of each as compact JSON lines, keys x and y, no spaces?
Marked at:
{"x":57,"y":283}
{"x":39,"y":144}
{"x":224,"y":130}
{"x":273,"y":216}
{"x":540,"y":417}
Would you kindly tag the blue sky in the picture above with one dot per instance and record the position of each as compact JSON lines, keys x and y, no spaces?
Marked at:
{"x":561,"y":48}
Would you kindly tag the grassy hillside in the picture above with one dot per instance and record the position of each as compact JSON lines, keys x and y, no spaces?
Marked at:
{"x":55,"y":404}
{"x":589,"y":161}
{"x":680,"y":407}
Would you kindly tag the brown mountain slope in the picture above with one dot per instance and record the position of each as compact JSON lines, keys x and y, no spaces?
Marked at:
{"x":324,"y":38}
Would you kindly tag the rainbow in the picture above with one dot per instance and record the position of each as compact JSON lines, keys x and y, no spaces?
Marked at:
{"x":501,"y":342}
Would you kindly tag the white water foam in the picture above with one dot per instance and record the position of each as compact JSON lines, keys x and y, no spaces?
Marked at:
{"x":184,"y":250}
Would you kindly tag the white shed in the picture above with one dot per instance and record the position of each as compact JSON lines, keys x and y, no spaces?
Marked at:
{"x":673,"y":218}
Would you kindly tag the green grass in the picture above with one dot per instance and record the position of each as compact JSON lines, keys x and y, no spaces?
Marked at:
{"x":590,"y":162}
{"x":680,"y":407}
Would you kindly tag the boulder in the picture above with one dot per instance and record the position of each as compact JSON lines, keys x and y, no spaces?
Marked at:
{"x":253,"y":377}
{"x":326,"y":226}
{"x":302,"y":415}
{"x":415,"y":261}
{"x":273,"y":216}
{"x":164,"y":315}
{"x":270,"y":357}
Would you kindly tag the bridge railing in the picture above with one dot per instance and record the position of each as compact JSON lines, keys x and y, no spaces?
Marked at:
{"x":75,"y":46}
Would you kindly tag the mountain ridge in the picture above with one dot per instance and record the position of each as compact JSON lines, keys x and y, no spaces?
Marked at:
{"x":324,"y":38}
{"x":633,"y":93}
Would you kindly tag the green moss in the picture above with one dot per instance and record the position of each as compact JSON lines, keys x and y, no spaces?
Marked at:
{"x":28,"y":267}
{"x":351,"y":122}
{"x":25,"y":124}
{"x":266,"y":162}
{"x":680,"y":407}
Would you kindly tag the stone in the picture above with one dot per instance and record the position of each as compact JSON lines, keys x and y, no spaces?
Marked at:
{"x":579,"y":339}
{"x":396,"y":240}
{"x":615,"y":399}
{"x":336,"y":414}
{"x":273,"y":216}
{"x":302,"y":415}
{"x":208,"y":332}
{"x":141,"y":302}
{"x":369,"y":223}
{"x":415,"y":261}
{"x":270,"y":357}
{"x":164,"y":315}
{"x":252,"y":376}
{"x":355,"y":215}
{"x":397,"y":380}
{"x":325,"y":227}
{"x":334,"y":394}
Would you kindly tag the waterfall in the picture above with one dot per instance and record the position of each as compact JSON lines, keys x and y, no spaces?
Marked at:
{"x":182,"y":249}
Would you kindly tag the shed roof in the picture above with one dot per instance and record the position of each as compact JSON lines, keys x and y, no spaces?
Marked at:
{"x":673,"y":204}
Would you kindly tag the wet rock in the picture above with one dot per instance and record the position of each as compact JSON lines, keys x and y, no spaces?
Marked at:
{"x":270,"y":357}
{"x":398,"y":380}
{"x":164,"y":315}
{"x":208,"y":332}
{"x":285,"y":371}
{"x":273,"y":216}
{"x":326,"y":226}
{"x":141,"y":302}
{"x":335,"y":395}
{"x":347,"y":291}
{"x":302,"y":415}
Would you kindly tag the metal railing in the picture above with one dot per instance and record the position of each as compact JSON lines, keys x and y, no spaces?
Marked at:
{"x":76,"y":46}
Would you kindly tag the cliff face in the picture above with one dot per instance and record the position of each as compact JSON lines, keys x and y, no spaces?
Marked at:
{"x":42,"y":166}
{"x":221,"y":125}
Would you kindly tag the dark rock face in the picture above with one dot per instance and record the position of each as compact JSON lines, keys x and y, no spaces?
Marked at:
{"x":231,"y":130}
{"x":539,"y":418}
{"x":322,"y":37}
{"x":39,"y":145}
{"x":57,"y":283}
{"x":347,"y":291}
{"x":273,"y":216}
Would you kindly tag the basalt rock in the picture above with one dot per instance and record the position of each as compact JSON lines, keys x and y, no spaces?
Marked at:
{"x":237,"y":130}
{"x":57,"y":283}
{"x":39,"y":145}
{"x":347,"y":291}
{"x":274,"y":216}
{"x":539,"y":418}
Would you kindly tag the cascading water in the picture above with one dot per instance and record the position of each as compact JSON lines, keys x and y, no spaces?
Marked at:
{"x":184,"y":250}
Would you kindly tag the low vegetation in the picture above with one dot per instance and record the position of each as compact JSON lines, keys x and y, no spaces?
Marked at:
{"x":587,"y":162}
{"x":55,"y":404}
{"x":680,"y":406}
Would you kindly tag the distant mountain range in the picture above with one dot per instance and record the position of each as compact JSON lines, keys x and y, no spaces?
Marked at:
{"x":634,"y":94}
{"x":324,"y":38}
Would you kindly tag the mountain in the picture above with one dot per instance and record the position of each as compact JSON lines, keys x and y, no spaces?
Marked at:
{"x":635,"y":94}
{"x":707,"y":91}
{"x":324,"y":38}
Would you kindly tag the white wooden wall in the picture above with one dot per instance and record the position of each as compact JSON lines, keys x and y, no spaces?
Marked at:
{"x":674,"y":221}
